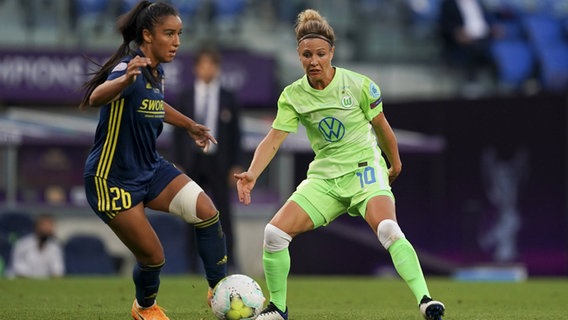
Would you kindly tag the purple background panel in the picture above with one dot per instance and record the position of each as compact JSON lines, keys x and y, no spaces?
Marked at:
{"x":56,"y":77}
{"x":496,"y":195}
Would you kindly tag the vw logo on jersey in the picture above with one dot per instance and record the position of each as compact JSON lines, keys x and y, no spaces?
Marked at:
{"x":347,"y":101}
{"x":331,"y":129}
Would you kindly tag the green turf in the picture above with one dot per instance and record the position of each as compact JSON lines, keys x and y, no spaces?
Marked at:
{"x":310,"y":298}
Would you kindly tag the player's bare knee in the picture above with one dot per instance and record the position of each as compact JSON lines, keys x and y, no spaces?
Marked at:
{"x":275,"y":239}
{"x":151,"y":258}
{"x":205,"y":209}
{"x":388,"y":232}
{"x":184,"y":203}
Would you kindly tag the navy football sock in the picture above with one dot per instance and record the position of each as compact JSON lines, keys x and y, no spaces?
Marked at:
{"x":147,"y":282}
{"x":212,"y":248}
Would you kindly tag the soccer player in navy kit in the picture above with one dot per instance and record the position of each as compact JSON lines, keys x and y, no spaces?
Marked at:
{"x":124,"y":173}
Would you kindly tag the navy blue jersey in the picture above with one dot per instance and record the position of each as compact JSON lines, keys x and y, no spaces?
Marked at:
{"x":125,"y":141}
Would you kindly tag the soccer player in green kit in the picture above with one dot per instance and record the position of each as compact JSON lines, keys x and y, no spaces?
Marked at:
{"x":347,"y":129}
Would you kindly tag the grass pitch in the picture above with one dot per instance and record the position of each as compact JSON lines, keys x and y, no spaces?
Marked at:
{"x":310,"y":298}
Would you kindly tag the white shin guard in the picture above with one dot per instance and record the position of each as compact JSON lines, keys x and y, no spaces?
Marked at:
{"x":275,"y":239}
{"x":388,"y":231}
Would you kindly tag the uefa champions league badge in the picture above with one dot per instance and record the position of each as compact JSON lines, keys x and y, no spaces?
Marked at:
{"x":374,"y":90}
{"x":120,"y":67}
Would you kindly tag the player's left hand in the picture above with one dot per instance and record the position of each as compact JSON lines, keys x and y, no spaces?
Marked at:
{"x":202,"y":136}
{"x":393,"y":174}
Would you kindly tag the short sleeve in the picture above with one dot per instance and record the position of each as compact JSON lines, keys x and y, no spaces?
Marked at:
{"x":118,"y":71}
{"x":371,"y":99}
{"x":287,"y":117}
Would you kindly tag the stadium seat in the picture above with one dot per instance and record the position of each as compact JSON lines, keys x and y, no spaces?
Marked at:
{"x":550,"y":44}
{"x":14,"y":224}
{"x":553,"y":66}
{"x":558,"y":8}
{"x":86,"y":255}
{"x":173,"y":233}
{"x":88,"y":18}
{"x":227,"y":15}
{"x":228,"y":8}
{"x":542,"y":30}
{"x":5,"y":253}
{"x":86,"y":7}
{"x":424,"y":16}
{"x":514,"y":61}
{"x":424,"y":10}
{"x":511,"y":29}
{"x":187,"y":8}
{"x":126,"y":5}
{"x":525,"y":7}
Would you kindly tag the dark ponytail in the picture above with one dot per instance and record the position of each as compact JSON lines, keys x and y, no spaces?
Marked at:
{"x":145,"y":15}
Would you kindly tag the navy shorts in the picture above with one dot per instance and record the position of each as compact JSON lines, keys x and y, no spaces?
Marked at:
{"x":109,"y":197}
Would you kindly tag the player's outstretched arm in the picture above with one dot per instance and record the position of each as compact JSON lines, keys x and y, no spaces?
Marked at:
{"x":265,"y":151}
{"x":110,"y":90}
{"x":198,"y":132}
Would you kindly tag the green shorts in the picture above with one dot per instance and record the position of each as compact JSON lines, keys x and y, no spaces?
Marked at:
{"x":326,"y":199}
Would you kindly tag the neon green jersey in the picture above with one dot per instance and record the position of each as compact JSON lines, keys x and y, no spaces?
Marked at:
{"x":337,"y":121}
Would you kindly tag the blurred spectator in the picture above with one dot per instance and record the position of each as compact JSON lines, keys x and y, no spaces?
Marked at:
{"x":467,"y":29}
{"x":38,"y":254}
{"x":208,"y":103}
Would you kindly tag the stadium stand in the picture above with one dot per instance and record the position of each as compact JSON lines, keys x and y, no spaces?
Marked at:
{"x":549,"y":42}
{"x":13,"y":225}
{"x":87,"y":254}
{"x":173,"y":234}
{"x":514,"y":62}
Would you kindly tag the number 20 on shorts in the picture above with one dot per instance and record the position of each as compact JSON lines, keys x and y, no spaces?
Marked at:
{"x":122,"y":196}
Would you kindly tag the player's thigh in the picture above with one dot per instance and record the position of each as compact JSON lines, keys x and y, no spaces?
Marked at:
{"x":134,"y":230}
{"x":292,"y":219}
{"x":372,"y":196}
{"x":165,"y":184}
{"x":314,"y":202}
{"x":379,"y":208}
{"x":162,"y":201}
{"x":108,"y":197}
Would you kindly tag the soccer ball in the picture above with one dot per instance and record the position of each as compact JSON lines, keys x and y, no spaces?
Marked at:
{"x":237,"y":297}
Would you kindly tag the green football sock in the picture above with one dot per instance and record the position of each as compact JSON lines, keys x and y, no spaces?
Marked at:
{"x":408,"y":267}
{"x":276,"y":267}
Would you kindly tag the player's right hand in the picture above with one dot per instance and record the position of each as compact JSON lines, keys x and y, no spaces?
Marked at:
{"x":133,"y":68}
